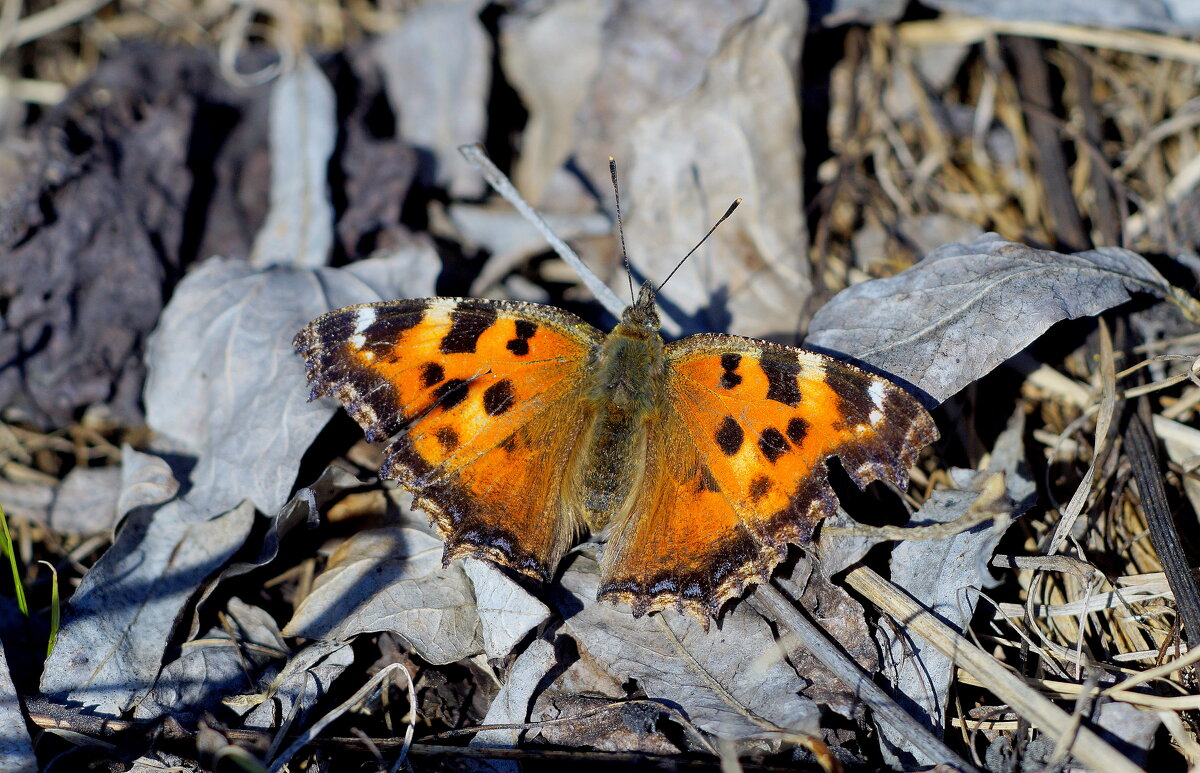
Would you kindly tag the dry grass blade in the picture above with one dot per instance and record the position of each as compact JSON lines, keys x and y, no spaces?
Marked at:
{"x":367,"y":689}
{"x":967,"y":30}
{"x":1040,"y":712}
{"x":1108,"y":406}
{"x":831,"y":656}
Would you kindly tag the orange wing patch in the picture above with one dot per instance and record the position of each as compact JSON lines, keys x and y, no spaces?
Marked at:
{"x":759,"y":422}
{"x":464,"y":383}
{"x":506,"y":506}
{"x":682,"y":543}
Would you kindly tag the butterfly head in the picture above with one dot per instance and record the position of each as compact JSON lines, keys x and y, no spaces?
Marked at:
{"x":643,"y":314}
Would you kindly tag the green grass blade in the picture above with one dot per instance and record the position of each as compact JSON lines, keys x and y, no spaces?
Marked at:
{"x":54,"y":608}
{"x":12,"y":560}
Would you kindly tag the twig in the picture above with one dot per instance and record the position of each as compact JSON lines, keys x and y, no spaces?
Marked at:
{"x":1163,"y":535}
{"x":1093,"y":751}
{"x":307,"y":736}
{"x":477,"y":157}
{"x":817,"y":642}
{"x":1033,"y":80}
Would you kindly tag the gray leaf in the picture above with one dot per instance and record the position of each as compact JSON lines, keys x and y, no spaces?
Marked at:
{"x":305,"y":680}
{"x":86,"y":501}
{"x":511,"y":705}
{"x":437,"y":72}
{"x":743,"y":120}
{"x":299,"y":227}
{"x":938,"y":573}
{"x":16,"y":750}
{"x":966,"y":308}
{"x":392,"y":580}
{"x":1132,"y":729}
{"x":214,"y":667}
{"x":733,"y":680}
{"x":146,"y":481}
{"x":304,"y":507}
{"x":505,"y":610}
{"x":223,"y":379}
{"x":121,"y":617}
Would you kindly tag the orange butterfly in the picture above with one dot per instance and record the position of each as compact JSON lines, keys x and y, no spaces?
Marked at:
{"x":519,"y":427}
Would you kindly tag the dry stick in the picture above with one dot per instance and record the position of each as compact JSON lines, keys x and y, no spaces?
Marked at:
{"x":1105,"y":217}
{"x":1043,"y":130}
{"x":1164,"y":537}
{"x":967,"y":31}
{"x":477,"y":157}
{"x":1088,"y":747}
{"x":814,"y":639}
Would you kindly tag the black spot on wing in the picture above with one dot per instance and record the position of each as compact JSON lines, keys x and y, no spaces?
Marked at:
{"x":797,"y":428}
{"x":729,"y":363}
{"x":759,"y":487}
{"x":850,"y":385}
{"x":498,"y":398}
{"x":773,"y":444}
{"x":431,"y":374}
{"x":781,"y":371}
{"x":337,"y":326}
{"x":450,"y":393}
{"x":448,"y":438}
{"x":520,"y":345}
{"x":467,"y":323}
{"x":729,"y":436}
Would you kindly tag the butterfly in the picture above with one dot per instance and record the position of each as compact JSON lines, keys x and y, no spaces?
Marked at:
{"x":519,"y":427}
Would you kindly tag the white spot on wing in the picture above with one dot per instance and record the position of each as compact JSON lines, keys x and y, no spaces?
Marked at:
{"x":875,"y":417}
{"x":358,"y":341}
{"x":876,"y":391}
{"x":362,"y":320}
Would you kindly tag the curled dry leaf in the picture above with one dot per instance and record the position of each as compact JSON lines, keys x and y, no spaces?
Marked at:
{"x":302,"y":682}
{"x":392,"y":580}
{"x":581,"y":68}
{"x":743,"y":120}
{"x":86,"y":501}
{"x":966,"y":308}
{"x":511,"y":704}
{"x":216,"y":666}
{"x":733,"y":680}
{"x":95,"y":229}
{"x":223,"y":381}
{"x":125,"y":610}
{"x":506,"y":611}
{"x":437,"y":71}
{"x":299,"y":228}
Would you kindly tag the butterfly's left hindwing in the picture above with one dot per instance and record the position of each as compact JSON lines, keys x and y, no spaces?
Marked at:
{"x":482,"y":398}
{"x":743,"y":438}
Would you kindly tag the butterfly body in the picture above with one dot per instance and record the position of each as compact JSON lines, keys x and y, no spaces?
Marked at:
{"x":623,"y":392}
{"x":519,"y":427}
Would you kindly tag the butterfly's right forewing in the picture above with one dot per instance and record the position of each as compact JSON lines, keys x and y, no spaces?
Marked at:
{"x":482,"y":400}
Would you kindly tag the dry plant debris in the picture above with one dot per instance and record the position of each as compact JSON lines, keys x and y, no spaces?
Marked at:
{"x":998,"y":213}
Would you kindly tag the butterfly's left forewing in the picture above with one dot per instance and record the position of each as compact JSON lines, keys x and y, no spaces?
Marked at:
{"x":736,"y":466}
{"x":482,"y":400}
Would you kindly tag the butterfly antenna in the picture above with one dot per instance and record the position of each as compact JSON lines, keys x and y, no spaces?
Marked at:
{"x":612,"y":171}
{"x":724,"y":217}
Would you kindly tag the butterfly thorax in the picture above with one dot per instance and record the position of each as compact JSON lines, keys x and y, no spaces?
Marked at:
{"x":625,"y":388}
